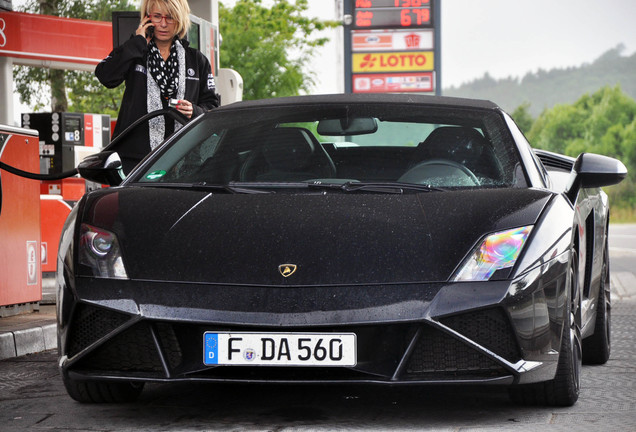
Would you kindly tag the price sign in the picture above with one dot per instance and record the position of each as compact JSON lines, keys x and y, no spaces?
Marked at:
{"x":370,"y":14}
{"x":392,"y":46}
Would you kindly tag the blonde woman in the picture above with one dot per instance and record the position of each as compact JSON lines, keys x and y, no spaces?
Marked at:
{"x":158,"y":66}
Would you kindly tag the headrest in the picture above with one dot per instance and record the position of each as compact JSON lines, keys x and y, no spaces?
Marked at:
{"x":451,"y":142}
{"x":287,"y":149}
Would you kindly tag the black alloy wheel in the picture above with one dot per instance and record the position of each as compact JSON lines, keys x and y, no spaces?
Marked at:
{"x":564,"y":389}
{"x":598,"y":346}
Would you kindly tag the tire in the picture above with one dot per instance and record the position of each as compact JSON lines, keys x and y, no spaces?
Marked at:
{"x":598,"y":346}
{"x":102,"y":391}
{"x":564,"y":389}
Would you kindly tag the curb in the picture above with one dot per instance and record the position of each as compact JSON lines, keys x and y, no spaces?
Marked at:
{"x":28,"y":333}
{"x":28,"y":341}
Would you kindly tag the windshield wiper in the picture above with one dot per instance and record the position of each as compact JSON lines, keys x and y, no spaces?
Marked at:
{"x":382,"y":187}
{"x":205,"y":186}
{"x":350,"y":186}
{"x":270,"y":187}
{"x":385,"y":186}
{"x":231,"y":187}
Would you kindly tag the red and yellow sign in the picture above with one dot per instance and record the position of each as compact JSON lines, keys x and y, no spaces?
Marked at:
{"x":393,"y":83}
{"x":393,"y":61}
{"x":392,"y":40}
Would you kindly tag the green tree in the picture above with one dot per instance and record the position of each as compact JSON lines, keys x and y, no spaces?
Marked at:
{"x":65,"y":89}
{"x":523,"y":118}
{"x":270,"y":47}
{"x":603,"y":122}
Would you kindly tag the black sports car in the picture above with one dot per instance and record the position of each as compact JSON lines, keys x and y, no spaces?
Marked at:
{"x":377,"y":239}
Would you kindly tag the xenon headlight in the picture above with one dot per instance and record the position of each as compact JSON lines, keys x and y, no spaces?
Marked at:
{"x":99,"y":250}
{"x":497,"y":251}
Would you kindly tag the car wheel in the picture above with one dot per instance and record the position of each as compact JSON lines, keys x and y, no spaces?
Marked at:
{"x":102,"y":391}
{"x":597,"y":347}
{"x":564,"y":389}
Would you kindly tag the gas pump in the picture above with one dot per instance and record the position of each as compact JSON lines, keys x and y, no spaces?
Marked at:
{"x":65,"y":139}
{"x":20,"y":246}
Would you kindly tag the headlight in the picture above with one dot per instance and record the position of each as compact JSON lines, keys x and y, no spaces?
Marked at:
{"x":498,"y":251}
{"x":99,"y":250}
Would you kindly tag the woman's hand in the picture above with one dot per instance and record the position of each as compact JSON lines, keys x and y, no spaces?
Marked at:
{"x":145,"y":29}
{"x":185,"y":108}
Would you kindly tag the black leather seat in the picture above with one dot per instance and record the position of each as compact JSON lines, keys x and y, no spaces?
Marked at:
{"x":458,"y":144}
{"x":456,"y":149}
{"x":288,"y":154}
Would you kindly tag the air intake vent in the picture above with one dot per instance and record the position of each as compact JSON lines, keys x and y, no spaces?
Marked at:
{"x":489,"y":328}
{"x":554,"y":160}
{"x":91,"y":324}
{"x":439,"y":356}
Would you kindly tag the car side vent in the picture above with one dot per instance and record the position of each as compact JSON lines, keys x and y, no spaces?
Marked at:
{"x":553,"y":160}
{"x":489,"y":328}
{"x":91,"y":324}
{"x":132,"y":350}
{"x":441,"y":357}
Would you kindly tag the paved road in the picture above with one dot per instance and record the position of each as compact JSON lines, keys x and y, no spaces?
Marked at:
{"x":32,"y":396}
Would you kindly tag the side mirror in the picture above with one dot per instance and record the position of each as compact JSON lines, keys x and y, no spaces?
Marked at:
{"x":592,"y":171}
{"x":104,"y":167}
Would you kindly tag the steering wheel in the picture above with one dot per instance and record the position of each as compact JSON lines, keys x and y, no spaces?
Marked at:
{"x":436,"y":171}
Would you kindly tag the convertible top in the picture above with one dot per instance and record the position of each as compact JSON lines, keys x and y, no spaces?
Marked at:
{"x":341,"y":98}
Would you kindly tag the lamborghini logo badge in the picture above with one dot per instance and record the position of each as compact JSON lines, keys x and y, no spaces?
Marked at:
{"x":287,"y":269}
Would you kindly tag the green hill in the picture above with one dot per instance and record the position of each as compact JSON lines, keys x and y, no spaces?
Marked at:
{"x":544,"y":89}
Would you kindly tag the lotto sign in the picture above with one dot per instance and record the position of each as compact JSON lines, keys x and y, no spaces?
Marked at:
{"x":393,"y":61}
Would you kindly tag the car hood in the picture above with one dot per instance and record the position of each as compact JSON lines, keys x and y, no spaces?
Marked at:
{"x":331,"y":239}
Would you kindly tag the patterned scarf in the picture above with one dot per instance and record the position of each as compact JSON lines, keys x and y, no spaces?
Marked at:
{"x":170,"y":74}
{"x":165,"y":73}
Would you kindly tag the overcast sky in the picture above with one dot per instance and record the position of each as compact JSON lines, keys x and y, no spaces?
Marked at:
{"x":513,"y":37}
{"x":502,"y":37}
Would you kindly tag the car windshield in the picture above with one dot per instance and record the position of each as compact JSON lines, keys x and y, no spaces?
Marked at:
{"x":340,"y":145}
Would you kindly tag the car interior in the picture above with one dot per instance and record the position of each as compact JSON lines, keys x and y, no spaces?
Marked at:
{"x":365,"y":149}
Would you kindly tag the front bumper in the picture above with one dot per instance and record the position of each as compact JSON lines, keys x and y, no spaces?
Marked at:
{"x":498,"y":332}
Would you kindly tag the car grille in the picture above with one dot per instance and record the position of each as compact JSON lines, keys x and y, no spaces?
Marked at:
{"x":134,"y":349}
{"x":91,"y":324}
{"x":160,"y":350}
{"x":489,"y":328}
{"x":131,"y":350}
{"x":440,"y":356}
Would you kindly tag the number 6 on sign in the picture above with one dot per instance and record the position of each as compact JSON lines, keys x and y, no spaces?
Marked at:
{"x":279,"y":349}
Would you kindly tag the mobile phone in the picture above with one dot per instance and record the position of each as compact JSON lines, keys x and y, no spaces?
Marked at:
{"x":150,"y":31}
{"x":173,"y":103}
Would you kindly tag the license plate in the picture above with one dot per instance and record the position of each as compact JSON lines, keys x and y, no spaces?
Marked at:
{"x":279,"y":349}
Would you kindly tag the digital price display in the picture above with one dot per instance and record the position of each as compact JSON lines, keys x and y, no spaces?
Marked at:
{"x":371,"y":14}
